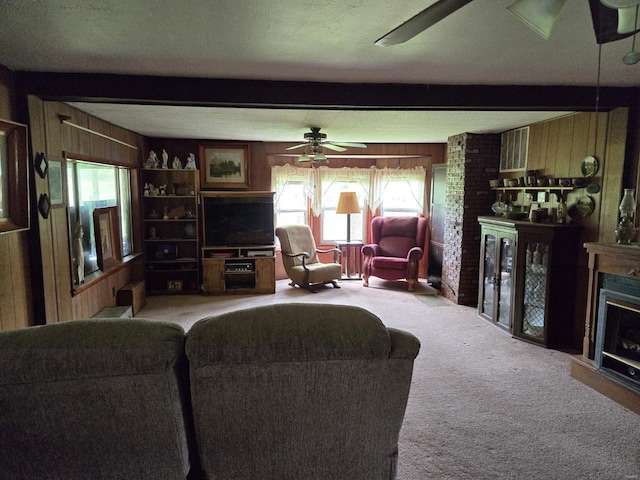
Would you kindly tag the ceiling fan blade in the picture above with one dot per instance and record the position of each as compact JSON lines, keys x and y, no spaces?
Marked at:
{"x":605,"y":23}
{"x":350,"y":144}
{"x":333,"y":147}
{"x":426,"y":18}
{"x":297,"y":146}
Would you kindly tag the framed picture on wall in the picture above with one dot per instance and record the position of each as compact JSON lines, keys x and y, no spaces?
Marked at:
{"x":224,"y":165}
{"x":56,"y":186}
{"x":107,"y":232}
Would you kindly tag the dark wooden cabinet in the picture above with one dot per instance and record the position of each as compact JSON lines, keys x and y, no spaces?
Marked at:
{"x":527,"y":278}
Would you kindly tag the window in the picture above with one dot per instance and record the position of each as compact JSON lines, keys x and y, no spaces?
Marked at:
{"x":399,"y":192}
{"x":292,"y":207}
{"x":398,"y":201}
{"x":293,"y":187}
{"x":334,"y":225}
{"x":396,"y":192}
{"x":93,"y":185}
{"x":330,"y":182}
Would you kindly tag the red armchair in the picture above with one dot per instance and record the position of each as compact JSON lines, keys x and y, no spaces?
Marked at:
{"x":397,"y":245}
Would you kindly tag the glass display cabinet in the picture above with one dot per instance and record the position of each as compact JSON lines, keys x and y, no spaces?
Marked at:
{"x":527,"y":278}
{"x":496,"y":292}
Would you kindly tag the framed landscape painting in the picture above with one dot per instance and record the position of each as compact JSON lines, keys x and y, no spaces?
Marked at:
{"x":224,"y":165}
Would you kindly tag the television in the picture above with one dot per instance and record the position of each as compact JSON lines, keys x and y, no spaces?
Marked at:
{"x":237,"y":219}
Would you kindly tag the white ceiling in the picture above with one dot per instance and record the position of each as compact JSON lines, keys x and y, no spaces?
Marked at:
{"x":306,"y":40}
{"x":287,"y":125}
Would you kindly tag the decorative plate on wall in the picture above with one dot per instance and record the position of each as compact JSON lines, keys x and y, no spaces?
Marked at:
{"x":589,"y":166}
{"x":585,"y":206}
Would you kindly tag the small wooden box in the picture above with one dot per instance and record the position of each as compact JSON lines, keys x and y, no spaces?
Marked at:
{"x":133,"y":294}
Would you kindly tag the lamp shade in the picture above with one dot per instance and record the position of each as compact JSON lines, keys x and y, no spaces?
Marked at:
{"x":348,"y":203}
{"x":304,"y":158}
{"x":320,"y":157}
{"x":540,"y":15}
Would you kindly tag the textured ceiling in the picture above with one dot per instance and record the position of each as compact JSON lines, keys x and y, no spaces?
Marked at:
{"x":304,"y":40}
{"x":283,"y":125}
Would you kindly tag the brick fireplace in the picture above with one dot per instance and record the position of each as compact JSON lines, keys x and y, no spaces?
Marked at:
{"x":472,"y":160}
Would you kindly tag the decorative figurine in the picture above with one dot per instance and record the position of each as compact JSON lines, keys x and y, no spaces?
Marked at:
{"x":176,"y":164}
{"x":152,"y":161}
{"x":162,"y":190}
{"x":147,"y":189}
{"x":79,"y":253}
{"x":165,"y":159}
{"x":191,"y":162}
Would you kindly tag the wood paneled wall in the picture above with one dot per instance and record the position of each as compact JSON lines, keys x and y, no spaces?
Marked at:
{"x":15,"y":288}
{"x":58,"y":141}
{"x":266,"y":154}
{"x":556,"y":149}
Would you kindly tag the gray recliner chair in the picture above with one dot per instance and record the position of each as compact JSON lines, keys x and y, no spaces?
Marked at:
{"x":300,"y":258}
{"x":299,"y":391}
{"x":98,"y":398}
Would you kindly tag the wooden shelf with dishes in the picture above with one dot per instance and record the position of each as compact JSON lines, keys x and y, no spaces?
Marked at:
{"x":557,"y":190}
{"x":537,"y":189}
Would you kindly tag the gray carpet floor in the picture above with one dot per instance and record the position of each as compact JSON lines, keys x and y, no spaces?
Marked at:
{"x":482,"y":404}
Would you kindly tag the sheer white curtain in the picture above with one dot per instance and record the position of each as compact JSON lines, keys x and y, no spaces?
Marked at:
{"x":281,"y":175}
{"x":325,"y":177}
{"x":410,"y":178}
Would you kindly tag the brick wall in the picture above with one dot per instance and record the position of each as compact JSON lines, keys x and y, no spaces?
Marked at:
{"x":471,"y":162}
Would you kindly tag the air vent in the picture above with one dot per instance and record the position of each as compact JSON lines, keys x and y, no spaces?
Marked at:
{"x":513,"y":150}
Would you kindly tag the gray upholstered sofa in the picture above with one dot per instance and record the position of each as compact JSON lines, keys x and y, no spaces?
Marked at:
{"x":292,"y":391}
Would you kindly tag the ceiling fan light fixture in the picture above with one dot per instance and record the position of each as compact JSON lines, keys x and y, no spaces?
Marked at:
{"x":620,"y":3}
{"x":320,"y":157}
{"x":539,"y":15}
{"x":304,"y":158}
{"x":627,"y":19}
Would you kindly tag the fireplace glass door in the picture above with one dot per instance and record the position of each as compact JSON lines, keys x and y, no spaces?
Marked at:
{"x":618,"y":337}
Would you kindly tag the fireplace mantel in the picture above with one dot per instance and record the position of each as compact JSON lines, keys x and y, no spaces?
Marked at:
{"x":614,"y":259}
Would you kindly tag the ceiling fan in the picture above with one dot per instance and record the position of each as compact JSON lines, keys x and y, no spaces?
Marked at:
{"x":315,"y":141}
{"x":612,"y":19}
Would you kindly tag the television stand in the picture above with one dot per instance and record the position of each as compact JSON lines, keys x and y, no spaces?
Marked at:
{"x":230,"y":270}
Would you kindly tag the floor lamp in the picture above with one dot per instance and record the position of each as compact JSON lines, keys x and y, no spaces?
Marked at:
{"x":348,"y":203}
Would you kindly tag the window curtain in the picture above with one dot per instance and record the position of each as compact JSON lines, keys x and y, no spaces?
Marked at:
{"x":282,"y":175}
{"x":414,"y":179}
{"x":325,"y":177}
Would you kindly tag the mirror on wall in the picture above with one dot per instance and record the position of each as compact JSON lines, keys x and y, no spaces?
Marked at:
{"x":14,"y":186}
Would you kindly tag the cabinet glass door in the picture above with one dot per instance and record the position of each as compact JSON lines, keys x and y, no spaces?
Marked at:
{"x":488,"y":280}
{"x":535,"y":290}
{"x":505,"y":281}
{"x":497,"y":277}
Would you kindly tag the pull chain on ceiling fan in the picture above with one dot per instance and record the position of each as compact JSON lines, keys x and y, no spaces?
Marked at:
{"x":315,"y":141}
